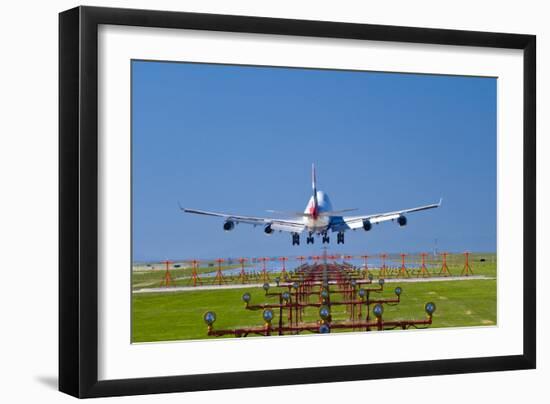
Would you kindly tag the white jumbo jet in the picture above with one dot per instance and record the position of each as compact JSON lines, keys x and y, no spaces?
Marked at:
{"x":317,"y":219}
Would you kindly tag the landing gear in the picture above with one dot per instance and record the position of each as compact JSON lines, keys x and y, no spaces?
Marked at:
{"x":295,"y":239}
{"x":310,"y":239}
{"x":340,"y":238}
{"x":326,"y":238}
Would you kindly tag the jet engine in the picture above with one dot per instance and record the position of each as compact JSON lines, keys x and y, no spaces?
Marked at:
{"x":228,"y":225}
{"x":367,"y":225}
{"x":268,"y":229}
{"x":402,"y":220}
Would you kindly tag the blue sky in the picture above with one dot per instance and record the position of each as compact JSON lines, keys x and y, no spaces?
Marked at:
{"x":242,"y":139}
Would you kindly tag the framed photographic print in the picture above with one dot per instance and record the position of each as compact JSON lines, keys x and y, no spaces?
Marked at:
{"x":250,"y":201}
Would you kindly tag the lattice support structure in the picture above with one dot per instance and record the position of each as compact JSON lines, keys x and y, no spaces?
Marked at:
{"x":194,"y":274}
{"x":366,"y":267}
{"x":383,"y":268}
{"x":167,"y":278}
{"x":323,"y":280}
{"x":403,"y":271}
{"x":265,"y":275}
{"x":283,"y":269}
{"x":219,"y":279}
{"x":467,"y":270}
{"x":242,"y":275}
{"x":423,"y":270}
{"x":444,"y":268}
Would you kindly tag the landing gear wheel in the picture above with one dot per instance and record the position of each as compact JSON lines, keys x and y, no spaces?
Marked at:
{"x":326,"y":239}
{"x":295,"y":239}
{"x":310,"y":240}
{"x":340,"y":238}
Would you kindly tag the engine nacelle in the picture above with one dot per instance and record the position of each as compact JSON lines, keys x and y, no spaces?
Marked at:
{"x":228,"y":225}
{"x":268,"y":229}
{"x":367,"y":225}
{"x":402,"y":220}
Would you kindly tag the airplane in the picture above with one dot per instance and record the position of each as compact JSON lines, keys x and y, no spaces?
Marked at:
{"x":317,"y":219}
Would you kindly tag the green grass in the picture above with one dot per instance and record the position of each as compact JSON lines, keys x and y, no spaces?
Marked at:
{"x":155,"y":278}
{"x":178,"y":315}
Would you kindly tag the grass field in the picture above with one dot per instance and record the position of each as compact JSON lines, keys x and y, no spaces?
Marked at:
{"x":154,"y":278}
{"x":178,"y":315}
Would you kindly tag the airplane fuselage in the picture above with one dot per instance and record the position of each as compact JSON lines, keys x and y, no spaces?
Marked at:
{"x":315,"y":221}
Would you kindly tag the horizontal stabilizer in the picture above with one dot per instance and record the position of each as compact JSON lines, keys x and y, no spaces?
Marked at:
{"x":305,"y":214}
{"x":336,"y":212}
{"x":286,"y":213}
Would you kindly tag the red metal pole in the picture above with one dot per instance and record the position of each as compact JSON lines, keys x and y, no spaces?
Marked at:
{"x":243,"y":273}
{"x":403,"y":271}
{"x":167,"y":277}
{"x":283,"y":260}
{"x":194,"y":275}
{"x":366,"y":269}
{"x":219,"y":275}
{"x":444,"y":268}
{"x":383,"y":269}
{"x":423,"y":270}
{"x":467,"y":270}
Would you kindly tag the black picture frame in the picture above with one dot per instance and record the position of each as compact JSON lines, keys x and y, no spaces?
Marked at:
{"x":78,"y":200}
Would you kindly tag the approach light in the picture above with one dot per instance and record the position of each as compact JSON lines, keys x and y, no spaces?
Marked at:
{"x":362,"y":293}
{"x":277,"y":280}
{"x":371,"y":277}
{"x":324,"y":294}
{"x":430,"y":308}
{"x":209,"y":317}
{"x":246,"y":297}
{"x":353,"y":283}
{"x":266,"y":286}
{"x":398,"y":291}
{"x":267,"y":315}
{"x":295,"y":285}
{"x":286,"y":296}
{"x":381,"y":281}
{"x":324,"y":329}
{"x":324,"y":312}
{"x":378,"y":310}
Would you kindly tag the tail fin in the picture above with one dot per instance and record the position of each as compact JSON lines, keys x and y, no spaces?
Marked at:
{"x":314,"y":184}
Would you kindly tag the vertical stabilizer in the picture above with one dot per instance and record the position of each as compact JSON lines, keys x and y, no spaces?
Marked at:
{"x":314,"y":188}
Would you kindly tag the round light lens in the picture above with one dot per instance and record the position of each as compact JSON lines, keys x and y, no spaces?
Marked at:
{"x":398,"y":291}
{"x":324,"y":329}
{"x":324,"y":312}
{"x":371,"y":277}
{"x":295,"y":285}
{"x":324,"y":294}
{"x":285,"y":296}
{"x":266,"y":286}
{"x":267,"y":315}
{"x":209,"y":317}
{"x":362,"y":292}
{"x":246,"y":297}
{"x":381,"y":281}
{"x":430,"y":308}
{"x":378,"y":310}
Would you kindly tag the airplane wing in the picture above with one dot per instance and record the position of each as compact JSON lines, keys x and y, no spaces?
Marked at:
{"x":293,"y":226}
{"x":356,"y":222}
